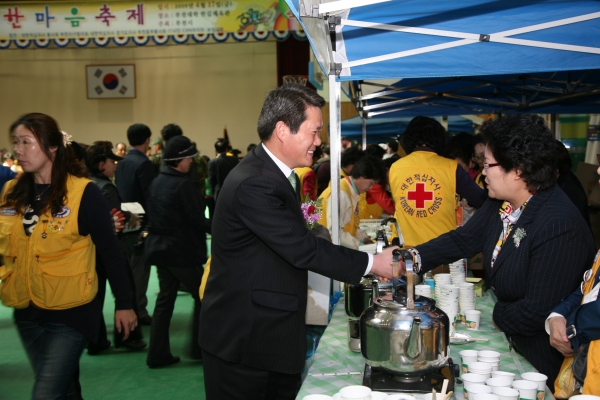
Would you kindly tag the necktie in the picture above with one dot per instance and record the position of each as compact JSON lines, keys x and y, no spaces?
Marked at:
{"x":292,"y":179}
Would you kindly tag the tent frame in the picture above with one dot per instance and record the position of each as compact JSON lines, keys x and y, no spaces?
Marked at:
{"x":335,"y":64}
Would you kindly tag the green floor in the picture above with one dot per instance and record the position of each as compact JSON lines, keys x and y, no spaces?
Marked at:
{"x":115,"y":374}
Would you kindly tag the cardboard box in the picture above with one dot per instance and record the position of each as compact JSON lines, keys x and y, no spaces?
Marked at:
{"x":476,"y":263}
{"x":587,"y":175}
{"x":479,"y":287}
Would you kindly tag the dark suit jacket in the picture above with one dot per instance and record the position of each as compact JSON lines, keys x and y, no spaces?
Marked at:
{"x":253,"y":311}
{"x":176,"y":224}
{"x":133,"y":177}
{"x":218,"y":169}
{"x":529,"y":280}
{"x":585,"y":318}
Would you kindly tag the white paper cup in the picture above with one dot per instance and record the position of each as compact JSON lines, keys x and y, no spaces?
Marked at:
{"x":473,"y":317}
{"x":539,"y":379}
{"x":481,"y":367}
{"x":484,"y":396}
{"x":399,"y":397}
{"x":355,"y":392}
{"x":498,"y":382}
{"x":494,"y":365}
{"x":506,"y":393}
{"x":488,"y":359}
{"x":429,"y":396}
{"x":379,"y":396}
{"x":503,"y":374}
{"x":471,"y":379}
{"x":488,"y":354}
{"x":317,"y":397}
{"x":467,"y":356}
{"x":477,"y":388}
{"x":527,"y":389}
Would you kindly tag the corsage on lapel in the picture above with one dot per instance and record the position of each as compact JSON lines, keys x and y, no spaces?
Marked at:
{"x":518,"y":236}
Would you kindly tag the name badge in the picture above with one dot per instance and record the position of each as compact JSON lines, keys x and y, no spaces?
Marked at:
{"x":9,"y":211}
{"x":63,"y":212}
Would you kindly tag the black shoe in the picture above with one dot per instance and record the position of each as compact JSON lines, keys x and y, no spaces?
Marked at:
{"x":173,"y":360}
{"x":145,"y":320}
{"x":97,"y":348}
{"x":133,"y":344}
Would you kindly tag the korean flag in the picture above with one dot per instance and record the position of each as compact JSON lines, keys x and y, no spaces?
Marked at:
{"x":110,"y":81}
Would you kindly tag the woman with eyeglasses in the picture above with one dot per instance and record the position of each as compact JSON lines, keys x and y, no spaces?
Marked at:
{"x":574,"y":328}
{"x":534,"y":241}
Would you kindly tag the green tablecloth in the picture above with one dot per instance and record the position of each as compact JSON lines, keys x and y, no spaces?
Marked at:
{"x":334,"y":365}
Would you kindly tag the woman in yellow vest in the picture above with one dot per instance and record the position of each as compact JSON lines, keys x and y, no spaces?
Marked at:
{"x":366,"y":172}
{"x":53,"y":222}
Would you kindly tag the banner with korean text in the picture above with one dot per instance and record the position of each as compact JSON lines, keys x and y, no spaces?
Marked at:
{"x":73,"y":20}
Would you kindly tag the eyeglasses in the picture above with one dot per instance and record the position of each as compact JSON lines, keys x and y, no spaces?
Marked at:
{"x":488,"y":166}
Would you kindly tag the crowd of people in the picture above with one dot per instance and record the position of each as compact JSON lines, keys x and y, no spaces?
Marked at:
{"x":78,"y":216}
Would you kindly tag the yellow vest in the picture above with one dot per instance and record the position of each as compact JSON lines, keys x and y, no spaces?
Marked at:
{"x":423,"y":185}
{"x":204,"y":278}
{"x":55,"y":267}
{"x":301,"y":172}
{"x":479,"y":180}
{"x":352,"y":226}
{"x":368,"y":211}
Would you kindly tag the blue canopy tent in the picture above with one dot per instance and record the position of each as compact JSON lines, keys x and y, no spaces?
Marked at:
{"x":379,"y":39}
{"x":562,"y":92}
{"x":380,"y":130}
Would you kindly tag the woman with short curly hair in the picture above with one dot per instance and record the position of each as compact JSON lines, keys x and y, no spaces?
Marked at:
{"x":535,"y":242}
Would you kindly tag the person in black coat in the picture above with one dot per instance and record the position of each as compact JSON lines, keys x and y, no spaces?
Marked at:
{"x":100,"y":162}
{"x":176,"y":244}
{"x":219,"y":167}
{"x":535,"y":243}
{"x":133,"y":177}
{"x":569,"y":183}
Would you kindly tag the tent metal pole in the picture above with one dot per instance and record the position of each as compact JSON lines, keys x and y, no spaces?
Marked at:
{"x":335,"y":147}
{"x":364,"y":133}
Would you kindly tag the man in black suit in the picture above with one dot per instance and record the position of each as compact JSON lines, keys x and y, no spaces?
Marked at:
{"x":252,"y":323}
{"x":219,"y":167}
{"x":133,"y":177}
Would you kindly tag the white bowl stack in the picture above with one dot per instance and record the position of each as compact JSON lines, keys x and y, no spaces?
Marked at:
{"x":423,"y":290}
{"x":447,"y":300}
{"x":481,"y":368}
{"x":466,"y":296}
{"x":458,"y":271}
{"x":489,"y":357}
{"x":441,"y":279}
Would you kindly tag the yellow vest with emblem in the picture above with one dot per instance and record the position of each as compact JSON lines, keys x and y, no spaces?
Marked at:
{"x":55,"y":267}
{"x":423,"y":186}
{"x":368,"y":211}
{"x":352,"y":226}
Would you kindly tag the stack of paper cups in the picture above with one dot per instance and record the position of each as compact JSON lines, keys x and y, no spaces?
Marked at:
{"x":466,"y":297}
{"x":458,"y":272}
{"x":447,"y":300}
{"x":441,"y":279}
{"x":489,"y":357}
{"x":423,"y":290}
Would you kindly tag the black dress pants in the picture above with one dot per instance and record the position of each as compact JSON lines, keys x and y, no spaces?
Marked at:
{"x":225,"y":380}
{"x":169,"y":280}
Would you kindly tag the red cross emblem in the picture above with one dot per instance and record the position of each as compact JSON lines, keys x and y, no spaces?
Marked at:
{"x":420,"y":195}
